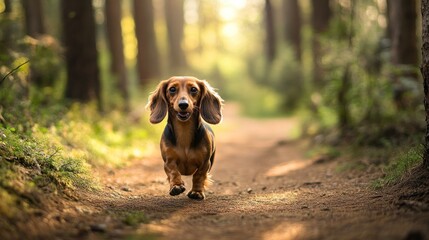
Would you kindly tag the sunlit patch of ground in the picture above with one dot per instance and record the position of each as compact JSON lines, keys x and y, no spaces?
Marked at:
{"x":284,"y":231}
{"x":285,"y":168}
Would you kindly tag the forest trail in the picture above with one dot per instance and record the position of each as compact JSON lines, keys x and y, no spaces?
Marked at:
{"x":264,"y":188}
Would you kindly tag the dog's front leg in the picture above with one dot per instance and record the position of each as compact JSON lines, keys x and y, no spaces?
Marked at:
{"x":177,"y":186}
{"x":199,"y":180}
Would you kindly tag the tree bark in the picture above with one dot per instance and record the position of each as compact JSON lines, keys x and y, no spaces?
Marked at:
{"x":270,"y":41}
{"x":344,"y":116}
{"x":6,"y":38}
{"x":7,"y":6}
{"x":147,"y":55}
{"x":320,"y":18}
{"x":35,"y":27}
{"x":293,"y":26}
{"x":389,"y":22}
{"x":425,"y":73}
{"x":33,"y":12}
{"x":83,"y":83}
{"x":116,"y":46}
{"x":174,"y":15}
{"x":403,"y":15}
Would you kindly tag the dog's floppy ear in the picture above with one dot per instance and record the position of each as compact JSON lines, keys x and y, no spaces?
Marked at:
{"x":210,"y":103}
{"x":157,"y":104}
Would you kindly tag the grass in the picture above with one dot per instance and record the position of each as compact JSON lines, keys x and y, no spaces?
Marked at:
{"x":134,"y":218}
{"x":30,"y":166}
{"x":49,"y":148}
{"x":59,"y":154}
{"x":400,"y":166}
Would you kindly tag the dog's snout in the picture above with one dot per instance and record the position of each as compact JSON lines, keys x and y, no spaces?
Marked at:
{"x":183,"y":104}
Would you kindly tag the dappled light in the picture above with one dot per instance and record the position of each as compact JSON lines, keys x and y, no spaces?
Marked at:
{"x":285,"y":231}
{"x":285,"y":168}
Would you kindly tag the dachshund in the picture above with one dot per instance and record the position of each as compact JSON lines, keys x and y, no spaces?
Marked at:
{"x":187,"y":143}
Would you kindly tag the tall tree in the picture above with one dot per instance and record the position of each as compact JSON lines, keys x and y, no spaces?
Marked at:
{"x":389,"y":23}
{"x":174,"y":14}
{"x":425,"y":73}
{"x":83,"y":83}
{"x":344,"y":114}
{"x":293,"y":25}
{"x":6,"y":37}
{"x":116,"y":46}
{"x":403,"y":16}
{"x":7,"y":6}
{"x":147,"y":55}
{"x":33,"y":12}
{"x":320,"y":18}
{"x":270,"y":31}
{"x":35,"y":27}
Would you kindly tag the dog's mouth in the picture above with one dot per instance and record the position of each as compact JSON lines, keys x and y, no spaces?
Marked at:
{"x":183,"y":116}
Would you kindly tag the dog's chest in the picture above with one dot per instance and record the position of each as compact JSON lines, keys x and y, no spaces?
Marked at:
{"x":187,"y":147}
{"x":189,"y":160}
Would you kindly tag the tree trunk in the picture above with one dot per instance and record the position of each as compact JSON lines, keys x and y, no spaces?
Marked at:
{"x":116,"y":46}
{"x":174,"y":15}
{"x":389,"y":22}
{"x":83,"y":83}
{"x":35,"y":27}
{"x":33,"y":12}
{"x":403,"y":15}
{"x":320,"y":17}
{"x":147,"y":55}
{"x":7,"y":6}
{"x":8,"y":28}
{"x":344,"y":116}
{"x":293,"y":26}
{"x":425,"y":73}
{"x":270,"y":31}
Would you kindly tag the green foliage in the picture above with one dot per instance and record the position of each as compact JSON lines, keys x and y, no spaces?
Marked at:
{"x":109,"y":139}
{"x":400,"y":166}
{"x":47,"y":147}
{"x":29,"y":164}
{"x":44,"y":156}
{"x":369,"y":94}
{"x":57,"y":153}
{"x":284,"y":77}
{"x":45,"y":61}
{"x":134,"y":218}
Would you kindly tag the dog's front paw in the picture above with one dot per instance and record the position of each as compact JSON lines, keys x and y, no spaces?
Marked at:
{"x":177,"y":189}
{"x":196,"y":195}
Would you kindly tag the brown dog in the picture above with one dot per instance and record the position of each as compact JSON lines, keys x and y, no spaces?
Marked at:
{"x":187,"y":144}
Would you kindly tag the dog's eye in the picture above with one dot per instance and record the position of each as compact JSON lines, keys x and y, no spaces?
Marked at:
{"x":194,"y":90}
{"x":172,"y":89}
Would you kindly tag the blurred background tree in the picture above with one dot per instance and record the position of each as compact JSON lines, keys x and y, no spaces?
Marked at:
{"x":83,"y":81}
{"x":115,"y":42}
{"x":405,"y":57}
{"x":147,"y":55}
{"x":292,"y":26}
{"x":175,"y":21}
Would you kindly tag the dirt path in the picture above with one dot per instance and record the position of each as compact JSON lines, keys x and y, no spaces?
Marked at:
{"x":264,"y":188}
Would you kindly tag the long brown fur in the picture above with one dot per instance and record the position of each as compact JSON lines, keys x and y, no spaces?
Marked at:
{"x":187,"y":144}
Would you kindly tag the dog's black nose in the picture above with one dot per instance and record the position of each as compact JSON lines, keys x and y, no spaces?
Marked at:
{"x":183,"y":104}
